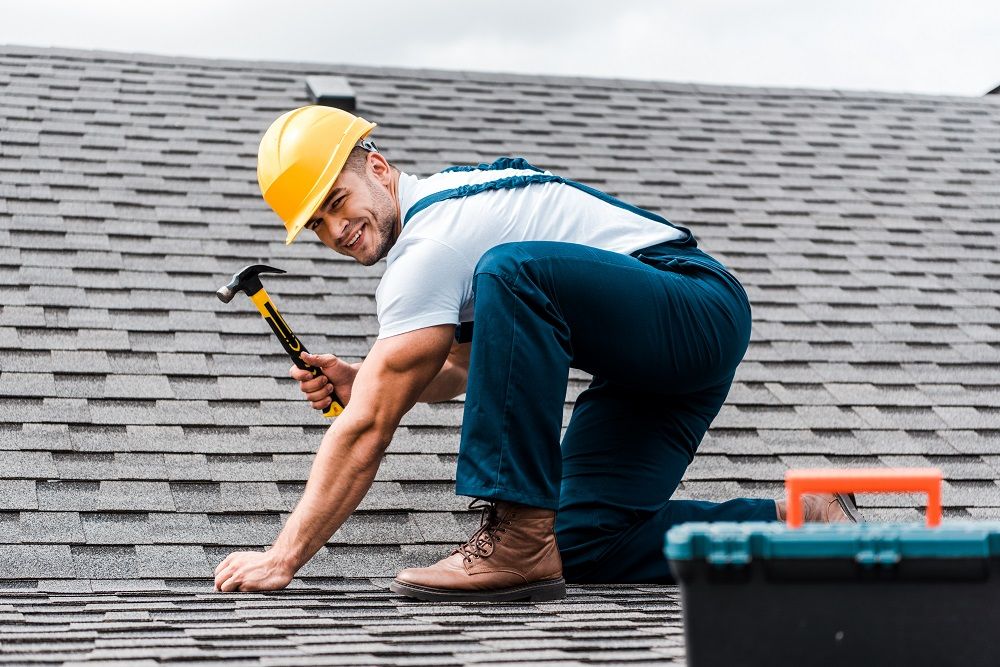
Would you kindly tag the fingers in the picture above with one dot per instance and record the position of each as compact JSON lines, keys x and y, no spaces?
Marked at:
{"x":320,"y":398}
{"x":317,"y":389}
{"x":323,"y":403}
{"x":223,"y":575}
{"x":229,"y":585}
{"x":320,"y":360}
{"x":222,"y":565}
{"x":315,"y":385}
{"x":317,"y":360}
{"x":309,"y":381}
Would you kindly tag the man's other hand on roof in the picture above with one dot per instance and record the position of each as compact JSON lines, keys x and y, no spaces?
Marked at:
{"x":252,"y":571}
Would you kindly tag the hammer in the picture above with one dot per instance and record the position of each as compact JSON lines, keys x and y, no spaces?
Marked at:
{"x":247,"y":280}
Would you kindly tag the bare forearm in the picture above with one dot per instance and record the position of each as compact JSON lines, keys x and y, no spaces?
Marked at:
{"x":341,"y":475}
{"x":447,"y":384}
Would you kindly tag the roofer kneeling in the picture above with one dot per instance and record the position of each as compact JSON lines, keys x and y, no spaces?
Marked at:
{"x":555,"y":275}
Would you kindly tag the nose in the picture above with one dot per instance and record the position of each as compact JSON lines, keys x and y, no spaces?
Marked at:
{"x":334,"y":224}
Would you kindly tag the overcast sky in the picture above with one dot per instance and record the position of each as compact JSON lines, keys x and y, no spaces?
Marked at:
{"x":920,"y":46}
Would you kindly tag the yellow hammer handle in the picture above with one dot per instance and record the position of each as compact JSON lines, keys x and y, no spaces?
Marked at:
{"x":291,"y":344}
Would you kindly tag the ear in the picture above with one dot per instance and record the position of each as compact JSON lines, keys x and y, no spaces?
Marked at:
{"x":380,"y":168}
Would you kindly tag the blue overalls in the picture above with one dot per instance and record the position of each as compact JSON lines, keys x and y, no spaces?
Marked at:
{"x":661,"y":330}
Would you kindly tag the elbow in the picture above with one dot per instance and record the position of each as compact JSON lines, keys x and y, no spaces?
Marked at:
{"x":380,"y":439}
{"x":381,"y":428}
{"x":365,"y":434}
{"x":366,"y":453}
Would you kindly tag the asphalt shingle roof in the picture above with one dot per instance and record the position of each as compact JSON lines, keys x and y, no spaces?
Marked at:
{"x":147,"y":430}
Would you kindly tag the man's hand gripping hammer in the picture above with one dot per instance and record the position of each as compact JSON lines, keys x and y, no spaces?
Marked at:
{"x":247,"y":280}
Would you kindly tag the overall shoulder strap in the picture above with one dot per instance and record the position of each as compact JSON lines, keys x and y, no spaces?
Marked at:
{"x":508,"y":183}
{"x":496,"y":165}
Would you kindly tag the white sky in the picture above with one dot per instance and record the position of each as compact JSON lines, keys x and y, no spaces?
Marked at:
{"x":924,"y":46}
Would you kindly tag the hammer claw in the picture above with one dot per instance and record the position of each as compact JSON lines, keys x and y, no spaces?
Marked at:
{"x":245,"y":280}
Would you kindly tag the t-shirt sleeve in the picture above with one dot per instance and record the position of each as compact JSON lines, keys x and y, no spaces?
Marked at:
{"x":425,"y":286}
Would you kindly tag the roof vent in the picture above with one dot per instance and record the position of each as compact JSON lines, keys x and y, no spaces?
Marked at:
{"x":331,"y":91}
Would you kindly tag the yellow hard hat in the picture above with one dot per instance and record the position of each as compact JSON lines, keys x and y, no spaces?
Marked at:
{"x":300,"y":157}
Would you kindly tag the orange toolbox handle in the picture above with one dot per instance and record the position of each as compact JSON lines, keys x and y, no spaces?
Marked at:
{"x":866,"y":480}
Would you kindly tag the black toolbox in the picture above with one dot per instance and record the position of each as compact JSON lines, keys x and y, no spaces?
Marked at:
{"x":764,"y":593}
{"x":838,"y":594}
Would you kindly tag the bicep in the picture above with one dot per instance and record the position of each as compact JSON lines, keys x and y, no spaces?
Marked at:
{"x":397,"y":370}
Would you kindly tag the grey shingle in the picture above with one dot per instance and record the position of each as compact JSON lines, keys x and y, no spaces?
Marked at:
{"x":113,"y":562}
{"x":18,"y":494}
{"x":50,"y":437}
{"x":41,"y":527}
{"x":171,"y":560}
{"x":227,"y":497}
{"x":130,"y":527}
{"x":25,"y":561}
{"x":922,"y":418}
{"x":26,"y":464}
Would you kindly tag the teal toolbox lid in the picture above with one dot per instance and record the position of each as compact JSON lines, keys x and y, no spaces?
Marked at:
{"x":734,"y":543}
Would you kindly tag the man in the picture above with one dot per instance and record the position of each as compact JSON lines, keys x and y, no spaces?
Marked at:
{"x":554,"y":275}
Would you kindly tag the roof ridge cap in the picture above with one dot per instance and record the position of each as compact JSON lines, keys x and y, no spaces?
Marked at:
{"x":304,"y":68}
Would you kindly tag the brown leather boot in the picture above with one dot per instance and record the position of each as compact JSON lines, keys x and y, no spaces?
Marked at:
{"x":825,"y":508}
{"x":513,"y":556}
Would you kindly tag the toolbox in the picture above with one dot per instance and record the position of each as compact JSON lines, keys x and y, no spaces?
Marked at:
{"x":770,"y":593}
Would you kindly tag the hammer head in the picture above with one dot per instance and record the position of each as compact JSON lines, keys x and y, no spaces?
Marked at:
{"x":245,"y":280}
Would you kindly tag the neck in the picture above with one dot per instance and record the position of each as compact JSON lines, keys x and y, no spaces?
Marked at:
{"x":394,"y":193}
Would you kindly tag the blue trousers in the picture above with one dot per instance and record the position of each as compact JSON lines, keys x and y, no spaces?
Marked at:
{"x":662,"y":334}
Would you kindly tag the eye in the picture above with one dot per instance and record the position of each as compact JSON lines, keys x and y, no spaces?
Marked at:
{"x":327,"y":206}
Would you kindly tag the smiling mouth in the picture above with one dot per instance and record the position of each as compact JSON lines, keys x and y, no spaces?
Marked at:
{"x":354,"y":238}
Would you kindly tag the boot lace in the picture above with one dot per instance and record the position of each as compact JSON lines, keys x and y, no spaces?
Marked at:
{"x":491,"y":526}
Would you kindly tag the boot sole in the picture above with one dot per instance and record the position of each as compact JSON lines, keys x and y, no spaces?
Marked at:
{"x":540,"y":591}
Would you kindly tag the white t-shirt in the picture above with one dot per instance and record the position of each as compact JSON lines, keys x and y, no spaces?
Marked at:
{"x":429,"y":270}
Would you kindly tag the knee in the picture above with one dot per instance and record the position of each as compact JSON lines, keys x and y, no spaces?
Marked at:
{"x":583,"y":536}
{"x":579,"y":559}
{"x":614,"y":546}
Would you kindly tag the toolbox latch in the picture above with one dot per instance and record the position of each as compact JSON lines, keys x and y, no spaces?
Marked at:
{"x":879,"y":550}
{"x":874,"y":558}
{"x":729,"y":550}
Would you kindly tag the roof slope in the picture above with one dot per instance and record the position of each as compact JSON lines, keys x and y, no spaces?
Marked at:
{"x":347,"y":623}
{"x":148,"y":430}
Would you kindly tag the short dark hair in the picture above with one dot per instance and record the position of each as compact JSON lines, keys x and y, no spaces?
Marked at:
{"x":357,"y":161}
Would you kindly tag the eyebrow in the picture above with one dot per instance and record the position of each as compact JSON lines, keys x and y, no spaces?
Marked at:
{"x":326,"y":203}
